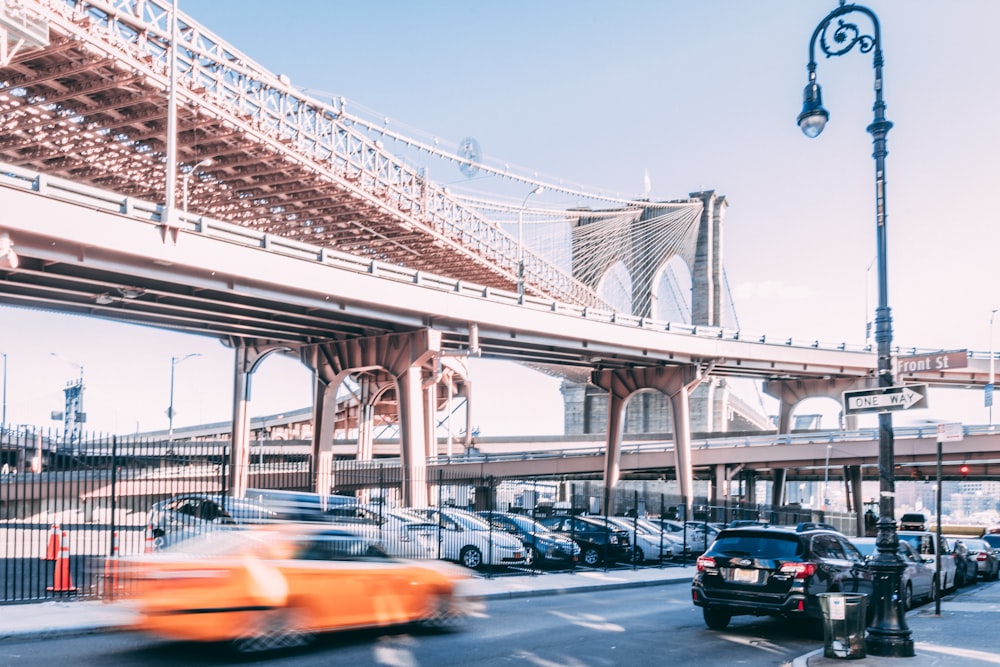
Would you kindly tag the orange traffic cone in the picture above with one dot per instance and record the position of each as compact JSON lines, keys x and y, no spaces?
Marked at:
{"x":52,"y":552}
{"x":150,"y":544}
{"x":111,"y":584}
{"x":61,"y":580}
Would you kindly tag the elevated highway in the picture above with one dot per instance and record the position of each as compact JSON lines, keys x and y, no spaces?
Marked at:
{"x":307,"y":235}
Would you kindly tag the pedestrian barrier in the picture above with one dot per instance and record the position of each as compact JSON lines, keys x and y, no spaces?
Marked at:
{"x":62,"y":582}
{"x":52,"y":551}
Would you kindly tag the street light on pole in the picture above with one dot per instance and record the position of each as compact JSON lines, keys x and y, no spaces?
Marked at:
{"x":991,"y":386}
{"x":170,"y":410}
{"x":187,"y":175}
{"x":888,"y":635}
{"x":826,"y":479}
{"x":520,"y":240}
{"x":3,"y":420}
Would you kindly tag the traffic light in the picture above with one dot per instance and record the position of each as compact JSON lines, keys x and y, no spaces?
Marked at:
{"x":963,"y":470}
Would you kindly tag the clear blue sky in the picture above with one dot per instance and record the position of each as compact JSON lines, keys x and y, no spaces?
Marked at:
{"x":701,"y":93}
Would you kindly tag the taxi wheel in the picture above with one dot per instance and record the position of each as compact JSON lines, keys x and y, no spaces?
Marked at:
{"x":441,"y":616}
{"x":273,"y":630}
{"x":531,"y":556}
{"x":471,"y":557}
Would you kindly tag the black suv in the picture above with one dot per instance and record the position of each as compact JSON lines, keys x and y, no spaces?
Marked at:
{"x":600,"y":541}
{"x":776,"y":571}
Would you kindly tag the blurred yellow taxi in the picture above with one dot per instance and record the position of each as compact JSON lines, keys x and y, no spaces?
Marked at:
{"x":276,"y":586}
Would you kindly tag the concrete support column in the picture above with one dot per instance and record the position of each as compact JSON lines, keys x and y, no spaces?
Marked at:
{"x":676,"y":382}
{"x":402,"y":357}
{"x":412,"y":433}
{"x":325,"y":416}
{"x":248,"y":355}
{"x":720,"y":486}
{"x":778,"y":489}
{"x":750,"y":487}
{"x":367,"y":395}
{"x":852,"y":478}
{"x":239,"y":455}
{"x":430,"y":419}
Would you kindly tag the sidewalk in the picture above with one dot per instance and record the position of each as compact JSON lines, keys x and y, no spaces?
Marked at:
{"x":964,"y":633}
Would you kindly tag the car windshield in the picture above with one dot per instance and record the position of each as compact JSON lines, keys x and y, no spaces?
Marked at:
{"x":527,"y":524}
{"x":466,"y":521}
{"x":921,"y":543}
{"x":756,"y":545}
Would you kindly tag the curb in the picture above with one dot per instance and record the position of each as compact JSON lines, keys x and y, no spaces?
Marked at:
{"x":586,"y":588}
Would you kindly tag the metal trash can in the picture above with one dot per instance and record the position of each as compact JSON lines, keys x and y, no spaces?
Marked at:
{"x":844,"y":621}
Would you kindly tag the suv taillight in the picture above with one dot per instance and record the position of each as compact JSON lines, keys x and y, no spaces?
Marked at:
{"x":800,"y":570}
{"x":981,"y":556}
{"x":704,"y":562}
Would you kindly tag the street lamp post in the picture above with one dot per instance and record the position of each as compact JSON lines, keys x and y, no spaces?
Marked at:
{"x":826,"y":480}
{"x":520,"y":240}
{"x":888,"y":635}
{"x":990,"y":387}
{"x":170,"y":410}
{"x":3,"y":420}
{"x":187,"y":175}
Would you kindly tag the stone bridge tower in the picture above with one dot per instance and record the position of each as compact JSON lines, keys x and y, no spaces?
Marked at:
{"x":586,"y":406}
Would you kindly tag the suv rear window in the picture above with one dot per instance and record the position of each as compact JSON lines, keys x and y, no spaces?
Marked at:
{"x":758,"y":546}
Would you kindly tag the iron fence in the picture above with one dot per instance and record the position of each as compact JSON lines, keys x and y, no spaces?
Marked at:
{"x":69,"y":509}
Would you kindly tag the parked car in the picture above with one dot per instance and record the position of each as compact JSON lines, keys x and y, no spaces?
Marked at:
{"x":919,"y":578}
{"x":913,"y":521}
{"x":469,"y":540}
{"x":993,"y":539}
{"x":600,"y":541}
{"x":542,"y":546}
{"x":985,"y":557}
{"x":690,"y":533}
{"x":278,"y":585}
{"x":967,"y":567}
{"x":650,"y":543}
{"x":185,"y":516}
{"x":923,"y":542}
{"x":777,"y":571}
{"x":400,"y":533}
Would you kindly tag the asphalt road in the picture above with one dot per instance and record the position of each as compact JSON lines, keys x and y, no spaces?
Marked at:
{"x":637,"y":627}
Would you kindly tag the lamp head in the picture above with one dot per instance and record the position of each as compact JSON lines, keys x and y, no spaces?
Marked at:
{"x":813,"y":118}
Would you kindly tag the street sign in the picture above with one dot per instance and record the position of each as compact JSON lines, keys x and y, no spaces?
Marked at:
{"x":885,"y":399}
{"x":988,"y":396}
{"x":936,"y":361}
{"x":949,"y":432}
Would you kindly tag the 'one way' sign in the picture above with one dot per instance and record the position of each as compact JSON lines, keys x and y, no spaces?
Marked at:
{"x":885,"y":399}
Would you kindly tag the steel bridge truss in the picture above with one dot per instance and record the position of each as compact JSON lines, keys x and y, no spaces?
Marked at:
{"x":92,"y":105}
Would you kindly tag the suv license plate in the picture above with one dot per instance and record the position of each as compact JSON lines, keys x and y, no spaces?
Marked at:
{"x":744,"y":576}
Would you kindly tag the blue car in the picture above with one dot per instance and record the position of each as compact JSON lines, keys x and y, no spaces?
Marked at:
{"x":542,"y":545}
